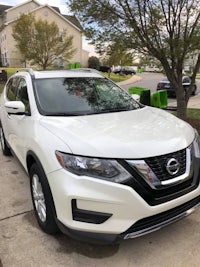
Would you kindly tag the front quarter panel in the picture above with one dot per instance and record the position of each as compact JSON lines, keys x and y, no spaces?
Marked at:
{"x":43,"y":144}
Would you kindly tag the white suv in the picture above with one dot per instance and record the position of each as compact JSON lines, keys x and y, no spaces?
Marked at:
{"x":102,"y":166}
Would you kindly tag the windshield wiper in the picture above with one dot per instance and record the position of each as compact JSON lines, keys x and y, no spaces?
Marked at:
{"x":84,"y":113}
{"x":63,"y":114}
{"x":111,"y":110}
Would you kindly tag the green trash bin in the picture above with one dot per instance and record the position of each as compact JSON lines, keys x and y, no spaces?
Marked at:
{"x":155,"y":99}
{"x":72,"y":65}
{"x":144,"y":94}
{"x":77,"y":65}
{"x":163,"y":98}
{"x":159,"y":99}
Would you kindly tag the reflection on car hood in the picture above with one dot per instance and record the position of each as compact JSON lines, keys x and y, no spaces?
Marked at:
{"x":139,"y":133}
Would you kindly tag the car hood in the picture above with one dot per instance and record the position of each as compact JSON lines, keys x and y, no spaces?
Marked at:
{"x":135,"y":134}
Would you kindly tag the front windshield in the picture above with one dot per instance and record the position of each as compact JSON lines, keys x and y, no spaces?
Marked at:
{"x":81,"y":96}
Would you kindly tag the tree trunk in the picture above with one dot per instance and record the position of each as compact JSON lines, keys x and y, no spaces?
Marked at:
{"x":181,"y":104}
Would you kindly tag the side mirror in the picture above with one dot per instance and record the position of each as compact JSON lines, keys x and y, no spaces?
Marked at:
{"x":15,"y":107}
{"x":136,"y":97}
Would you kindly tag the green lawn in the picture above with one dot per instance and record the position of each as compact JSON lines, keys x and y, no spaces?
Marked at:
{"x":10,"y":71}
{"x":198,"y":76}
{"x":193,"y":113}
{"x":117,"y":77}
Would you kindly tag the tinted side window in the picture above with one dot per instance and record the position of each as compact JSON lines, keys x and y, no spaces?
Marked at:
{"x":22,"y":94}
{"x":12,"y":88}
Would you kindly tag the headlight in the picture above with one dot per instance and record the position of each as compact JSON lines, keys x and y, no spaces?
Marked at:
{"x":196,"y":145}
{"x":105,"y":169}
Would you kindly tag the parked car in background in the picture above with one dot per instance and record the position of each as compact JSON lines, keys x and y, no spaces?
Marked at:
{"x":105,"y":69}
{"x":102,"y":166}
{"x":152,"y":69}
{"x":124,"y":70}
{"x":165,"y":84}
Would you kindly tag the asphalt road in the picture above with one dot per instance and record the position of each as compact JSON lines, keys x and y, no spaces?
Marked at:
{"x":150,"y":80}
{"x":23,"y":244}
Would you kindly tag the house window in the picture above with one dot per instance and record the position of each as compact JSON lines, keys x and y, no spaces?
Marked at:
{"x":5,"y":56}
{"x":5,"y":60}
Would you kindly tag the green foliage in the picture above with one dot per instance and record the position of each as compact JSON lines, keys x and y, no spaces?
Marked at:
{"x":115,"y":53}
{"x":40,"y":41}
{"x":93,"y":63}
{"x":163,"y":29}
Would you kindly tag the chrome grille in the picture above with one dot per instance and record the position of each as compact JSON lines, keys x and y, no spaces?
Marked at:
{"x":158,"y":164}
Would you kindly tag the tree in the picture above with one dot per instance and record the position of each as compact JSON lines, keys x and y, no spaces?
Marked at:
{"x":149,"y":61}
{"x":168,"y":30}
{"x":93,"y":62}
{"x":40,"y":42}
{"x":115,"y":53}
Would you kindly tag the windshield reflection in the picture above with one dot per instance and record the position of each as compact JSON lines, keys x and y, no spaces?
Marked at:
{"x":81,"y":96}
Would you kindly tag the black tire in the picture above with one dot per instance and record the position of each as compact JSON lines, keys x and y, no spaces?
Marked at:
{"x":43,"y":202}
{"x":4,"y":146}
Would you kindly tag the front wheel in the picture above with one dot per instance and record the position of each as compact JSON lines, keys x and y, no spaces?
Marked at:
{"x":4,"y":146}
{"x":42,"y":200}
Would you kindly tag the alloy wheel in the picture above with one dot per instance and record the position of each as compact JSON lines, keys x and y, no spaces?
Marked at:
{"x":2,"y":139}
{"x":38,"y":198}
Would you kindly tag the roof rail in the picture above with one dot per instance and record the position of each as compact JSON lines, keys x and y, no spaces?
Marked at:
{"x":86,"y":70}
{"x":29,"y":70}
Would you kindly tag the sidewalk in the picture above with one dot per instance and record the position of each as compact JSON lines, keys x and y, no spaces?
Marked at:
{"x":194,"y":102}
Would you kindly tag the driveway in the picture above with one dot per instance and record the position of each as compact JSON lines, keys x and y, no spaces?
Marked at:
{"x":22,"y":243}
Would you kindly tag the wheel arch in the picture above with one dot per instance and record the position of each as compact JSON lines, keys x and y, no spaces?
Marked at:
{"x":30,"y":160}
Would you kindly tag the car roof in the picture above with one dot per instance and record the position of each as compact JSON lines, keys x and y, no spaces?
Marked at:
{"x":74,"y":73}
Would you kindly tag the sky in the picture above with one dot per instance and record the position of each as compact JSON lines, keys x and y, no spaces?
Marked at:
{"x":63,"y":8}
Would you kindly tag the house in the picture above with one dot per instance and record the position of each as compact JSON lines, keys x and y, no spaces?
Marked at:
{"x":9,"y":14}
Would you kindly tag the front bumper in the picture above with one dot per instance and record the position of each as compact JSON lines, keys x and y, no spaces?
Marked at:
{"x":123,"y":213}
{"x":142,"y":227}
